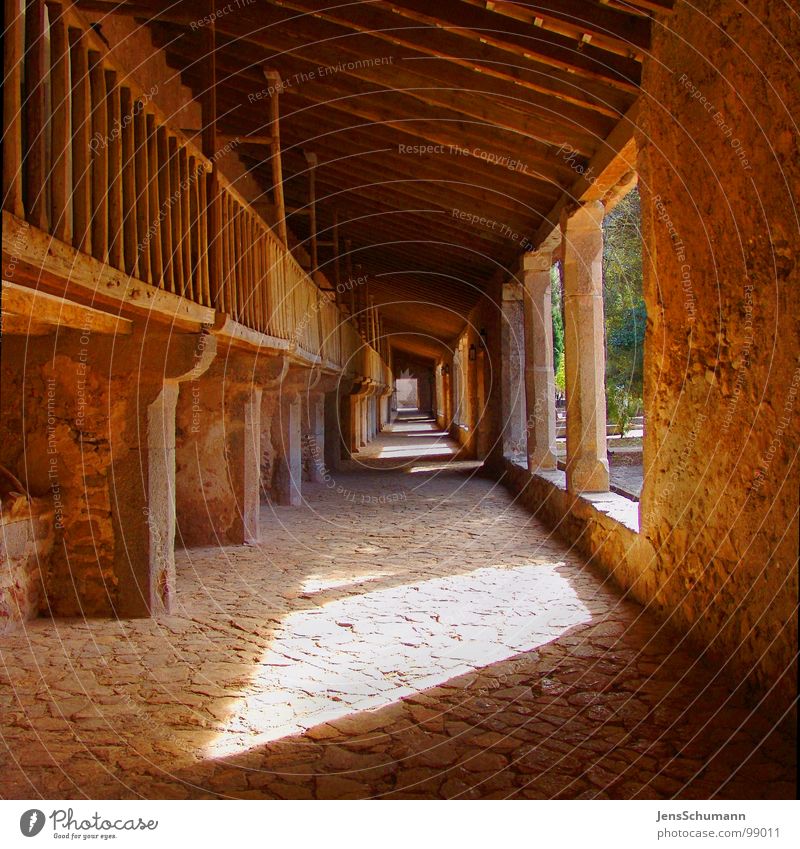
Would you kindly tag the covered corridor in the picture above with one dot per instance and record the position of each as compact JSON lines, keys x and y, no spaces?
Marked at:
{"x":355,"y":444}
{"x":407,"y":632}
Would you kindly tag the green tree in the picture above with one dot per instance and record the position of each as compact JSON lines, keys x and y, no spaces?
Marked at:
{"x":625,"y":314}
{"x":558,"y":326}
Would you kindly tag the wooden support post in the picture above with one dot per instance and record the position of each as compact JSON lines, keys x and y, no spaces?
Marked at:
{"x":274,"y":80}
{"x":311,"y":159}
{"x":186,"y":223}
{"x":165,"y":230}
{"x":142,"y":192}
{"x":99,"y":148}
{"x":81,"y":187}
{"x":35,"y":76}
{"x":348,"y":263}
{"x":213,"y":213}
{"x":194,"y":227}
{"x":204,"y":259}
{"x":177,"y":225}
{"x":116,"y":247}
{"x":157,"y":200}
{"x":128,"y":185}
{"x":12,"y":109}
{"x":60,"y":213}
{"x":337,"y":271}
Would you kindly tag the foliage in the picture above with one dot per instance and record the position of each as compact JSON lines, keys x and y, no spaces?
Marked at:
{"x":625,"y":314}
{"x":558,"y":327}
{"x":561,"y":380}
{"x":622,"y":406}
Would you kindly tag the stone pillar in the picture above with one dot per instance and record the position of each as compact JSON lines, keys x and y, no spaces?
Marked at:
{"x":314,"y":434}
{"x":584,"y":344}
{"x":143,"y":480}
{"x":540,"y":391}
{"x":364,"y":419}
{"x":251,"y":473}
{"x":287,"y":436}
{"x":333,"y":432}
{"x":219,"y":453}
{"x":373,"y":413}
{"x":512,"y":387}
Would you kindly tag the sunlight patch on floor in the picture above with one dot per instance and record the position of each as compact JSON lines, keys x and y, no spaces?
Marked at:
{"x":367,"y":651}
{"x":424,"y":426}
{"x":438,"y":449}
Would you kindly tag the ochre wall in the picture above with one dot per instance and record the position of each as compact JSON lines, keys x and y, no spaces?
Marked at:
{"x":720,"y":178}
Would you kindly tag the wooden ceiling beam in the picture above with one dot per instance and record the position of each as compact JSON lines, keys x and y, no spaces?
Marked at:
{"x":372,"y":218}
{"x":544,"y":119}
{"x":642,"y":7}
{"x":472,"y":173}
{"x":449,"y":29}
{"x":608,"y":28}
{"x":444,"y":185}
{"x":485,"y":63}
{"x":426,"y":129}
{"x":378,"y":145}
{"x":500,"y":219}
{"x":386,"y":104}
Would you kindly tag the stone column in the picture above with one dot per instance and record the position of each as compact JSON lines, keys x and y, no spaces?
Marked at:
{"x":540,"y":391}
{"x":334,"y":431}
{"x":584,"y":343}
{"x":251,"y":472}
{"x":512,"y":387}
{"x":219,"y":453}
{"x":289,"y":459}
{"x":314,"y":434}
{"x":143,"y":484}
{"x":365,"y":418}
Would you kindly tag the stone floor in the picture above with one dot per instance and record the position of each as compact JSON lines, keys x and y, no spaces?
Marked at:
{"x":409,"y":632}
{"x":627,"y":479}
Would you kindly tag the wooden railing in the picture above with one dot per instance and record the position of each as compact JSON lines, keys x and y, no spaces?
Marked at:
{"x":90,"y":159}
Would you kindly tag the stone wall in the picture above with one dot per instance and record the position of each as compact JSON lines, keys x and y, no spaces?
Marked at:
{"x":57,"y":444}
{"x":26,"y":544}
{"x":720,"y":181}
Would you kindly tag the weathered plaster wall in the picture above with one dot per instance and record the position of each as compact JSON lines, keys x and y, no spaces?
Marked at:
{"x":26,"y":543}
{"x":56,"y":442}
{"x":720,"y":180}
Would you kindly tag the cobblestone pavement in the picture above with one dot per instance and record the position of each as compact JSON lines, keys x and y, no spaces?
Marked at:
{"x":409,"y":632}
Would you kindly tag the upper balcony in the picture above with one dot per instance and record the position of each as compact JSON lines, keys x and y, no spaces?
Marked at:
{"x":107,"y":203}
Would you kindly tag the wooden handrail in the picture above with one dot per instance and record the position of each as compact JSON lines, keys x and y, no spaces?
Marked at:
{"x":103,"y":170}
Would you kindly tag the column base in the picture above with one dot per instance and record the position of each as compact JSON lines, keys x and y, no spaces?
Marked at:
{"x":587,"y":474}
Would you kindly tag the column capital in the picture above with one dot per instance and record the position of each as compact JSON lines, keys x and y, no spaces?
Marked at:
{"x":512,"y":291}
{"x":583,"y":216}
{"x":536,"y":262}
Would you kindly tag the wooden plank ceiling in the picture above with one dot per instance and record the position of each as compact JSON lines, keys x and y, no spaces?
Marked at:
{"x":509,"y":100}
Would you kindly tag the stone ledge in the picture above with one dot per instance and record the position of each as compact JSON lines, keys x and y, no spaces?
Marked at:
{"x":613,"y":504}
